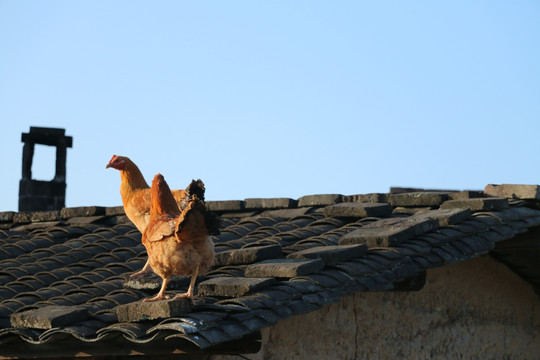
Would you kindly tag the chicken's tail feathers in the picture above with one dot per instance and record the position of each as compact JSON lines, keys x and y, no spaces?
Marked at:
{"x":162,"y":200}
{"x":194,"y":205}
{"x":197,"y":206}
{"x":196,"y":187}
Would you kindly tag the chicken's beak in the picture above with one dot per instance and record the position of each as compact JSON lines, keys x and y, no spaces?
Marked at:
{"x":108,"y":166}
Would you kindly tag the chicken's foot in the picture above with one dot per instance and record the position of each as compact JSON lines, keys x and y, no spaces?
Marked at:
{"x":161,"y":294}
{"x":191,"y":289}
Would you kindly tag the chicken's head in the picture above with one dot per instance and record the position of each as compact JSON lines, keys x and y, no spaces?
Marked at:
{"x":117,"y":162}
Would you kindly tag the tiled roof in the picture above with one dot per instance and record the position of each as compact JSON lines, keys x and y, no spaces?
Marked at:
{"x":64,"y":275}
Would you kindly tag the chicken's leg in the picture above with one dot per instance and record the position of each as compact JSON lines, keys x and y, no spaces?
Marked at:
{"x":146,"y":269}
{"x":191,"y":289}
{"x":161,"y":294}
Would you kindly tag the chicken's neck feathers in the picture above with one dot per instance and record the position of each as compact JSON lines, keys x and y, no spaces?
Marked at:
{"x":131,"y":181}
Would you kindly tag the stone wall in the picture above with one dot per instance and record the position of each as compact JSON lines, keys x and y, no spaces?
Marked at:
{"x":474,"y":309}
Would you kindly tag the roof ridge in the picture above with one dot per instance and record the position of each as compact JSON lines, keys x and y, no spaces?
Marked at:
{"x":398,"y":197}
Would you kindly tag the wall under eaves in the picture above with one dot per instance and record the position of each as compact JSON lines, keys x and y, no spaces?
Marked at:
{"x":474,"y":309}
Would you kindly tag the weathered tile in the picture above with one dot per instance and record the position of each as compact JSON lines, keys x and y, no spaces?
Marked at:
{"x":448,"y":216}
{"x":331,"y":254}
{"x":114,"y":210}
{"x":374,"y":237}
{"x":36,"y":225}
{"x":402,"y":210}
{"x":116,"y":220}
{"x":82,"y":211}
{"x":514,"y":191}
{"x":139,"y":310}
{"x":418,"y":223}
{"x":477,"y":204}
{"x":270,"y":203}
{"x":49,"y":317}
{"x":466,"y":194}
{"x":418,"y":199}
{"x":478,"y":244}
{"x":232,"y":286}
{"x":284,"y":268}
{"x":247,"y":255}
{"x":226,"y":205}
{"x":525,"y":212}
{"x":390,"y":232}
{"x":214,"y":335}
{"x":326,"y":281}
{"x":151,"y":281}
{"x":319,"y":200}
{"x":287,"y":213}
{"x":367,"y":198}
{"x":22,"y":217}
{"x":253,"y":320}
{"x":6,"y":216}
{"x":249,"y":301}
{"x":237,"y":214}
{"x":42,"y":216}
{"x":359,"y":210}
{"x":84,"y":219}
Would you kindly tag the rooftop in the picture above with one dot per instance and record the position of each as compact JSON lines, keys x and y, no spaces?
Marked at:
{"x":65,"y":274}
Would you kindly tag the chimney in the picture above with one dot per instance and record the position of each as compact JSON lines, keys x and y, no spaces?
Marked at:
{"x":36,"y":195}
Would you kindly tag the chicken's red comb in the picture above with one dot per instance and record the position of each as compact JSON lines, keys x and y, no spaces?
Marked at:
{"x":113,"y":157}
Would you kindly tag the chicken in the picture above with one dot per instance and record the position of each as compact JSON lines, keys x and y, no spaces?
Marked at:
{"x":178,"y":241}
{"x":136,"y":195}
{"x":136,"y":192}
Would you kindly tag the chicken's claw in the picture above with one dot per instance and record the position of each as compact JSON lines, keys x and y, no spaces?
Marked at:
{"x":157,"y":298}
{"x":184,"y":296}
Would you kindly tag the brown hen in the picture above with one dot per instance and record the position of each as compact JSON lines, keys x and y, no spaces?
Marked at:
{"x":136,"y":195}
{"x":177,"y":241}
{"x":136,"y":192}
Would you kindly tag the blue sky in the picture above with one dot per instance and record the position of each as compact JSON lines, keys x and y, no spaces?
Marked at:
{"x":275,"y":98}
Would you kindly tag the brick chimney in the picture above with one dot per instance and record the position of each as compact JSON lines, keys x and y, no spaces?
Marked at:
{"x":36,"y":195}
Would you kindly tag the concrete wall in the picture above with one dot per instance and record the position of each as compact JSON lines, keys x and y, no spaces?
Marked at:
{"x":475,"y":309}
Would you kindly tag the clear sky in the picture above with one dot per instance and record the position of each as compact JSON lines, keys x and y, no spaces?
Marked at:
{"x":273,"y":98}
